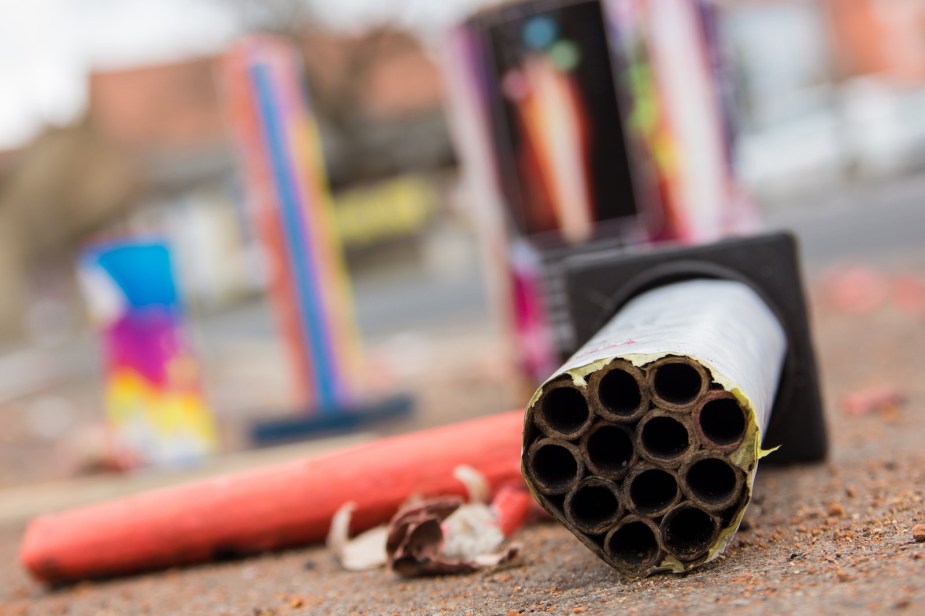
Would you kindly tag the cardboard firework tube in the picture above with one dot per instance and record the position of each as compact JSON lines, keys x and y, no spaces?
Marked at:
{"x":664,"y":438}
{"x":555,"y":465}
{"x":593,"y":505}
{"x":512,"y":506}
{"x":563,"y":411}
{"x":707,"y":357}
{"x":677,"y":382}
{"x":619,"y":392}
{"x":719,"y":421}
{"x":711,"y":482}
{"x":650,"y":490}
{"x":608,"y":450}
{"x":633,"y":544}
{"x":687,"y":532}
{"x":275,"y":507}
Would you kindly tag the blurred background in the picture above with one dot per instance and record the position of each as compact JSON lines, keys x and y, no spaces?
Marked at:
{"x":119,"y":121}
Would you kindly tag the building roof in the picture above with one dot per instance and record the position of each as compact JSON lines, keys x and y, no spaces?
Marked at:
{"x":177,"y":105}
{"x":881,"y":38}
{"x":158,"y":107}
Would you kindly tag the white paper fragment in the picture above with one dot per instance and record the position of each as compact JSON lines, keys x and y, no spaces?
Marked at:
{"x":471,"y":531}
{"x":365,"y":551}
{"x":476,"y":484}
{"x":498,"y":558}
{"x":721,"y":323}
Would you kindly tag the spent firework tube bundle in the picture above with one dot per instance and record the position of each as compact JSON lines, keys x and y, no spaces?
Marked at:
{"x":646,"y":442}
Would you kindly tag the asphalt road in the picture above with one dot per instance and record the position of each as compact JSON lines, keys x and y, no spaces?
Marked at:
{"x":880,"y":223}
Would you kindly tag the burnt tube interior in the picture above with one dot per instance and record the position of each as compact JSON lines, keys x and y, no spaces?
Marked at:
{"x":653,"y":490}
{"x":619,"y":392}
{"x":634,"y":544}
{"x":722,"y":421}
{"x":677,"y":382}
{"x":554,"y":466}
{"x":610,"y":450}
{"x":664,"y":437}
{"x":592,"y":506}
{"x":565,"y":410}
{"x":712,"y":480}
{"x":688,"y":532}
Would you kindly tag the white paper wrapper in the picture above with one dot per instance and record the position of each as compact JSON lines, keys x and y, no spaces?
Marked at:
{"x":722,"y":324}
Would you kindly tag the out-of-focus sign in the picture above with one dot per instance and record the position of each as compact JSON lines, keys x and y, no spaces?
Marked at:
{"x":384,"y":211}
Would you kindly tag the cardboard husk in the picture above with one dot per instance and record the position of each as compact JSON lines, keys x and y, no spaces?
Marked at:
{"x":702,"y":320}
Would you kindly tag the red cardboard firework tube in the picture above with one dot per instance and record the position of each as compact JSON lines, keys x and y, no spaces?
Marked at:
{"x":276,"y":507}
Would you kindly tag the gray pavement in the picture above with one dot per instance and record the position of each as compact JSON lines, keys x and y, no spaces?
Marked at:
{"x":879,"y":224}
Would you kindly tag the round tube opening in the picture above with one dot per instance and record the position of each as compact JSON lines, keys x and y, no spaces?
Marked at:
{"x":664,"y":437}
{"x":722,"y":422}
{"x":564,"y":410}
{"x":712,"y":481}
{"x":619,"y":393}
{"x":652,"y":491}
{"x":634,"y":544}
{"x":610,"y":450}
{"x":593,"y":506}
{"x":554,"y":466}
{"x":688,"y":532}
{"x":677,"y":383}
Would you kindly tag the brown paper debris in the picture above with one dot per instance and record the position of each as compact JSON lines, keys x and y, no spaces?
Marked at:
{"x":918,"y":533}
{"x":427,"y":537}
{"x":884,"y":399}
{"x":416,"y":541}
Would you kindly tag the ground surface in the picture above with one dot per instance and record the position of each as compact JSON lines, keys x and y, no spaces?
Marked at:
{"x":830,"y":538}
